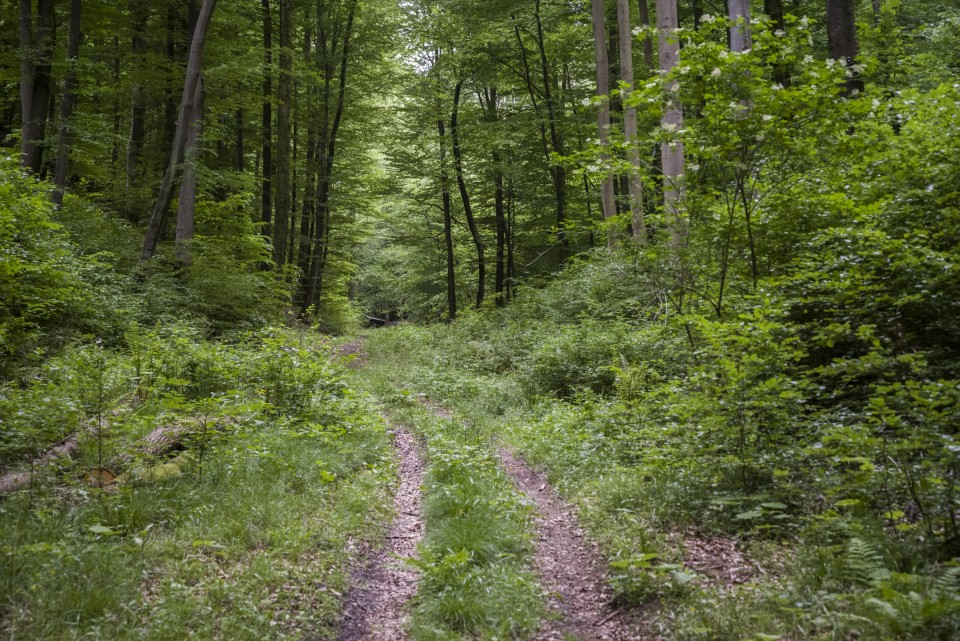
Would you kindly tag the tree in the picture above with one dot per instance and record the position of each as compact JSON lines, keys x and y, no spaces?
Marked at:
{"x":672,"y":152}
{"x":191,"y":91}
{"x":603,"y":112}
{"x":842,"y":38}
{"x":36,"y":54}
{"x":465,"y":196}
{"x":625,"y":32}
{"x":281,"y":223}
{"x":66,"y":105}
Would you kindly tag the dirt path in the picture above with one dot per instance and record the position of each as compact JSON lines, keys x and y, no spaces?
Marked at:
{"x":376,"y":607}
{"x":570,"y":568}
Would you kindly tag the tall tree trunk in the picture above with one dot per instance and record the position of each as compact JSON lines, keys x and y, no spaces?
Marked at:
{"x":170,"y":104}
{"x":66,"y":105}
{"x":842,"y":37}
{"x":739,"y":13}
{"x":635,"y":186}
{"x":557,"y":172}
{"x":327,"y":46}
{"x":672,"y":121}
{"x":238,"y":138}
{"x":493,"y":116}
{"x":187,"y":203}
{"x":647,"y":40}
{"x":191,"y":85}
{"x":774,"y":10}
{"x":447,"y":222}
{"x":465,"y":197}
{"x":607,"y":198}
{"x":138,"y":112}
{"x":281,"y":224}
{"x":266,"y":201}
{"x":36,"y":51}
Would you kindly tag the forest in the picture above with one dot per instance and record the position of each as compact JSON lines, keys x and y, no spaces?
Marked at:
{"x":439,"y":320}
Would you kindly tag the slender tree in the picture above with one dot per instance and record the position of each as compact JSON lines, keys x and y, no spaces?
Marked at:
{"x":281,"y":224}
{"x":36,"y":53}
{"x":465,"y":196}
{"x":635,"y":186}
{"x":672,"y":120}
{"x":67,"y":103}
{"x":187,"y":203}
{"x":266,"y":201}
{"x":191,"y":86}
{"x":603,"y":113}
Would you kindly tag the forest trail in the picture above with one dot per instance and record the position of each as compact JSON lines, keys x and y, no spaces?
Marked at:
{"x":376,"y":608}
{"x":570,"y":567}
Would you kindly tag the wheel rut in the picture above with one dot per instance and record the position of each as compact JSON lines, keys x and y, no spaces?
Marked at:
{"x":570,"y":567}
{"x":376,"y":608}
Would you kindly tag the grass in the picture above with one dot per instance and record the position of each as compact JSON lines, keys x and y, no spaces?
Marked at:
{"x":255,"y":544}
{"x":476,"y":558}
{"x":828,"y":577}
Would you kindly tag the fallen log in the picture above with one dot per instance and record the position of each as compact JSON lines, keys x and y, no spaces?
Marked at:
{"x":66,"y":450}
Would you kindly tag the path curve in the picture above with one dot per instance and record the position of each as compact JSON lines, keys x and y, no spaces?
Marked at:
{"x":570,"y":567}
{"x":376,"y":607}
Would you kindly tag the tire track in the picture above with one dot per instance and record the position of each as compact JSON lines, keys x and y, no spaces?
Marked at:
{"x":376,"y":607}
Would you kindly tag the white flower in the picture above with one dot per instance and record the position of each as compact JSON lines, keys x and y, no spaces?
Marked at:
{"x":858,"y":68}
{"x":807,"y":60}
{"x":734,"y":105}
{"x":830,"y":62}
{"x":586,"y":102}
{"x":684,"y":70}
{"x":669,"y":126}
{"x":876,"y":103}
{"x":805,"y":21}
{"x":707,"y":18}
{"x":724,"y":54}
{"x":716,"y":73}
{"x":716,"y":216}
{"x":777,"y":86}
{"x":637,"y":31}
{"x":693,"y":167}
{"x":779,"y":33}
{"x":745,"y":52}
{"x":810,"y":40}
{"x":767,"y":117}
{"x":871,"y":115}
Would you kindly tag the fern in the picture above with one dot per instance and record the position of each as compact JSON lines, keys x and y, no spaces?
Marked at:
{"x":863,"y":564}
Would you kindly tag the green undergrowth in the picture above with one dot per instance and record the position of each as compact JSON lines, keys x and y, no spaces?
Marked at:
{"x":732,"y":439}
{"x":475,"y":559}
{"x":243,"y":532}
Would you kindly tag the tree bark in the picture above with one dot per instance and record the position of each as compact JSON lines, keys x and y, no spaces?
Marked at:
{"x":281,"y":224}
{"x":774,"y":9}
{"x":66,"y":105}
{"x":465,"y":197}
{"x":557,"y":172}
{"x":447,"y":222}
{"x":644,"y":16}
{"x":36,"y":51}
{"x":672,"y":121}
{"x":138,"y":112}
{"x":842,"y":38}
{"x":190,"y":90}
{"x":187,"y":203}
{"x":603,"y":119}
{"x":266,"y":201}
{"x":493,"y":116}
{"x":635,"y":186}
{"x":739,"y":12}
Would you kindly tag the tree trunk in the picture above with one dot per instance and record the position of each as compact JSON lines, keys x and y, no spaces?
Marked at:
{"x":842,"y":38}
{"x":187,"y":204}
{"x":465,"y":197}
{"x":36,"y":51}
{"x":603,"y":120}
{"x":313,"y":284}
{"x":557,"y":172}
{"x":447,"y":223}
{"x":635,"y":186}
{"x":672,"y":121}
{"x":281,"y":223}
{"x":138,"y":111}
{"x":774,"y":9}
{"x":266,"y":201}
{"x":190,"y":90}
{"x":66,"y":105}
{"x":238,"y":131}
{"x":492,"y":100}
{"x":739,"y":12}
{"x":647,"y":40}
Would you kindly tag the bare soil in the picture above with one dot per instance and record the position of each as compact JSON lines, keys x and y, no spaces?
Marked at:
{"x":376,"y":608}
{"x":571,"y":569}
